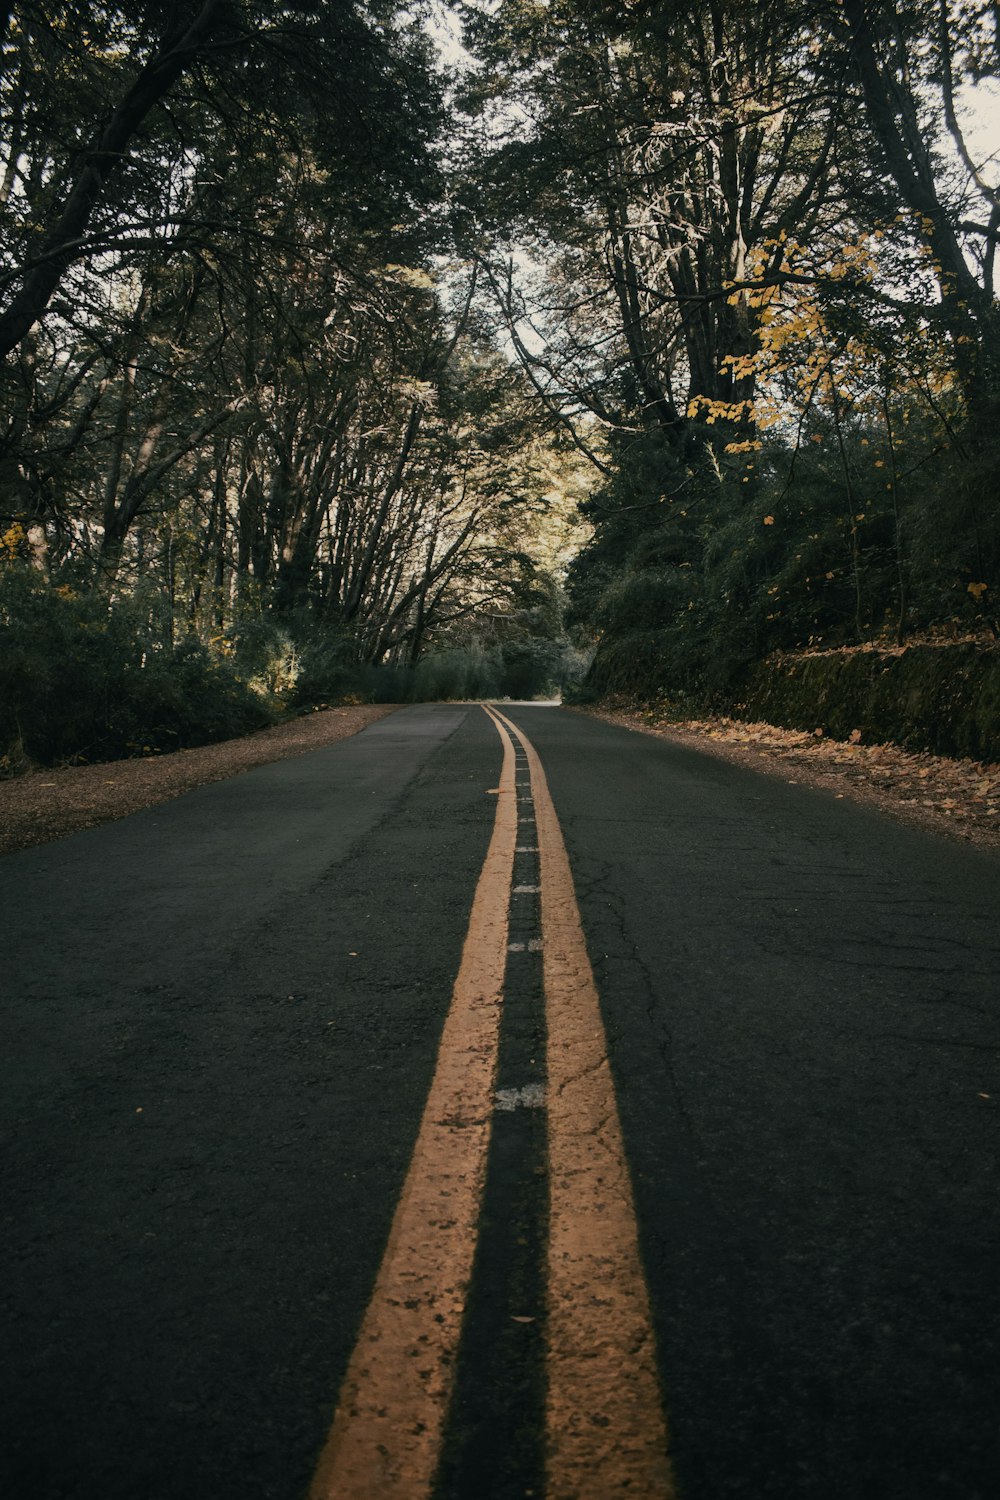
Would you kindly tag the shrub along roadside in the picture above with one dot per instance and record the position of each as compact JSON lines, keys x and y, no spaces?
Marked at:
{"x":521,"y":666}
{"x":82,"y":681}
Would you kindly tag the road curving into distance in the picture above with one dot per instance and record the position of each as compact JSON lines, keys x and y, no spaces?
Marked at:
{"x":499,"y":1103}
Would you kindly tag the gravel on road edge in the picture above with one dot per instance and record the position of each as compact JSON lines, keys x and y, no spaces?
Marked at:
{"x":49,"y":804}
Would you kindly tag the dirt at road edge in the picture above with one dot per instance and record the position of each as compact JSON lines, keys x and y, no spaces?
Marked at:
{"x":957,"y":797}
{"x":49,"y":804}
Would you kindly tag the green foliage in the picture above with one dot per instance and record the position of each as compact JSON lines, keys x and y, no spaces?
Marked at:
{"x":943,"y":698}
{"x":82,"y":681}
{"x":685,"y":593}
{"x":519,"y":667}
{"x":265,"y":653}
{"x":464,"y":672}
{"x":329,"y":670}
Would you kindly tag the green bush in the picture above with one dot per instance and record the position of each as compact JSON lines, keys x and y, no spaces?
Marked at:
{"x":329,"y":670}
{"x":533,"y":667}
{"x":523,"y":666}
{"x":81,"y":680}
{"x":697,"y":572}
{"x":265,"y":654}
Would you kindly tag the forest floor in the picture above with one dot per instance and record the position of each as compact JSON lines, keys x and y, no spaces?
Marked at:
{"x":958,"y":797}
{"x":47,"y":804}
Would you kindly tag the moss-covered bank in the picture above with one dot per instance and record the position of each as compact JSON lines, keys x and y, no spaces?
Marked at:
{"x":943,"y":698}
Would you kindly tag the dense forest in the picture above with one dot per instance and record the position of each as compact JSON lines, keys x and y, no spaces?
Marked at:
{"x":382,"y":350}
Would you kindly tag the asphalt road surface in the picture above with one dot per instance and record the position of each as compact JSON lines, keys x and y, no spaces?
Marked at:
{"x":746,"y":1245}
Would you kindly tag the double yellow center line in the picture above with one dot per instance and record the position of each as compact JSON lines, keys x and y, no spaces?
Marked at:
{"x":606,"y":1433}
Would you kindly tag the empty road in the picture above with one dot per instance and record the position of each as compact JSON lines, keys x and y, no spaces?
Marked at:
{"x":500,"y":1103}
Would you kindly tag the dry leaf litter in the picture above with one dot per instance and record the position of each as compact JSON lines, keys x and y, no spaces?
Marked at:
{"x":48,"y":804}
{"x":961,"y":797}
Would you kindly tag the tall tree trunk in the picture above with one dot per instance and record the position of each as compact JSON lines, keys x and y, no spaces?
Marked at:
{"x":362,"y":572}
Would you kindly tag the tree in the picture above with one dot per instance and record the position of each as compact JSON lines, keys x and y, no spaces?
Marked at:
{"x":143,"y":354}
{"x":666,"y":144}
{"x":83,"y":192}
{"x":904,"y":56}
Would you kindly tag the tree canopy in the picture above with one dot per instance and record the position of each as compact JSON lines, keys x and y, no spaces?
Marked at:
{"x":314,"y":339}
{"x":746,"y":254}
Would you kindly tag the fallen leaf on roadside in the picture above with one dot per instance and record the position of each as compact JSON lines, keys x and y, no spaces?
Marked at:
{"x":960,"y":794}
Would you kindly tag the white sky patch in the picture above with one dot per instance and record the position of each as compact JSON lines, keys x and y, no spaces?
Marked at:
{"x":979,"y":116}
{"x":445,"y":30}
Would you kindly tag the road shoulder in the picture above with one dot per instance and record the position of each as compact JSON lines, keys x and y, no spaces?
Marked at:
{"x":960,"y":798}
{"x":50,"y":804}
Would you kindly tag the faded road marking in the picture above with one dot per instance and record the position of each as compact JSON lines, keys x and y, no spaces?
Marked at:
{"x":387,"y":1429}
{"x":607,"y":1432}
{"x":531,"y":1096}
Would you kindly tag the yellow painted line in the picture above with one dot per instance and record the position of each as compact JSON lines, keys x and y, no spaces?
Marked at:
{"x":388,"y":1426}
{"x":606,"y":1429}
